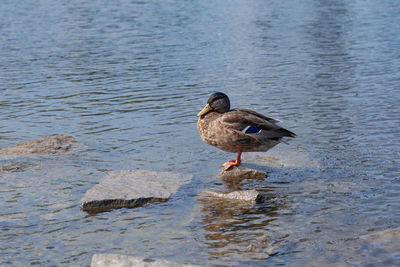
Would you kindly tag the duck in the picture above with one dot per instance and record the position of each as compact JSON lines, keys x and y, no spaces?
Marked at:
{"x":237,"y":130}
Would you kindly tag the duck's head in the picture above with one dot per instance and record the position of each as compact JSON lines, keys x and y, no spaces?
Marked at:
{"x":218,"y":102}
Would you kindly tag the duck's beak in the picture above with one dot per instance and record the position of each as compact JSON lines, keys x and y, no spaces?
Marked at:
{"x":205,"y":110}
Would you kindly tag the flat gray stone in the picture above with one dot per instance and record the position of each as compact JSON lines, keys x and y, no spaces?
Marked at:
{"x":116,"y":260}
{"x":43,"y":146}
{"x":132,"y":188}
{"x":242,"y":173}
{"x":242,"y":195}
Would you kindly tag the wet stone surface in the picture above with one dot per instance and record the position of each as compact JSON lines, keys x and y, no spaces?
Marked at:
{"x":283,"y":156}
{"x":386,"y":241}
{"x":232,"y":179}
{"x":262,"y":245}
{"x":242,"y":173}
{"x":116,"y":260}
{"x":132,"y":188}
{"x":240,"y":195}
{"x":44,"y":146}
{"x":10,"y":167}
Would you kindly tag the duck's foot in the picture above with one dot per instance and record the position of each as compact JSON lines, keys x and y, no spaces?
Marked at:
{"x":230,"y":164}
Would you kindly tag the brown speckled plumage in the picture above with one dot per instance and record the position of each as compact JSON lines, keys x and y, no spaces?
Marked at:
{"x":226,"y":129}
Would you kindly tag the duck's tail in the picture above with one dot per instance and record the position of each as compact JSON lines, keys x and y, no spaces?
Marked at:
{"x":285,"y":133}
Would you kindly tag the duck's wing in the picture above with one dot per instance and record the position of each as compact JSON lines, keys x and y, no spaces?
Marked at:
{"x":250,"y":122}
{"x":262,"y":116}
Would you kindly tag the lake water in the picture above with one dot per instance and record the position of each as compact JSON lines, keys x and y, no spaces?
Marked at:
{"x":127,"y":78}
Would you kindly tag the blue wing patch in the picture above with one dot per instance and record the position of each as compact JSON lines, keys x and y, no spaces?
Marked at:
{"x":251,"y":129}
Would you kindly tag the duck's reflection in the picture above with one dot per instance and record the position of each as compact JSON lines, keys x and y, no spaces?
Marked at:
{"x":231,"y":225}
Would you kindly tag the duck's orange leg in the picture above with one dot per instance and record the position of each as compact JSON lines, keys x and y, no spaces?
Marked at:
{"x":231,"y":163}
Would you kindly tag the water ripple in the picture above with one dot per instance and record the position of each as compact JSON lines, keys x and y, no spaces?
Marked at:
{"x":127,"y":81}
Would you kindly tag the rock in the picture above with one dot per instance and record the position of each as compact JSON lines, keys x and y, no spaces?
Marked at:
{"x":132,"y":188}
{"x":262,"y":245}
{"x":116,"y":260}
{"x":386,"y":240}
{"x":282,"y":156}
{"x":242,"y":173}
{"x":234,"y":176}
{"x":43,"y":146}
{"x":11,"y":167}
{"x":253,"y":248}
{"x":242,"y":195}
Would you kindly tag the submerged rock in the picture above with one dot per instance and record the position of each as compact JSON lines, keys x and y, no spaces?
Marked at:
{"x":116,"y":260}
{"x":282,"y":156}
{"x":386,"y":240}
{"x":43,"y":146}
{"x":10,"y":167}
{"x":132,"y":188}
{"x":242,"y":195}
{"x":262,"y":245}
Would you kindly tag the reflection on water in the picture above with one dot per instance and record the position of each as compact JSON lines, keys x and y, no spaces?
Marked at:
{"x":231,"y":226}
{"x":127,"y":80}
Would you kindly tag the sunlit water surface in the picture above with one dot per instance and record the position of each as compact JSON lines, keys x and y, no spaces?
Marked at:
{"x":127,"y":78}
